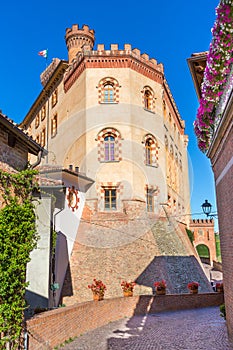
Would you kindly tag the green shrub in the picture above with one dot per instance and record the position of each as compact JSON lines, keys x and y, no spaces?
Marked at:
{"x":223,"y":311}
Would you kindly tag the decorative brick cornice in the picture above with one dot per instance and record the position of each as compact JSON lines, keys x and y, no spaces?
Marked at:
{"x":114,"y":59}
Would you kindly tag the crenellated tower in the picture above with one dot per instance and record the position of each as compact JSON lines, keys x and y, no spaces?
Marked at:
{"x":77,"y":38}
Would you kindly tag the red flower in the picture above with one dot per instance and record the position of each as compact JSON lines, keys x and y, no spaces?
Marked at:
{"x":160,"y":284}
{"x":193,"y":285}
{"x":127,"y":286}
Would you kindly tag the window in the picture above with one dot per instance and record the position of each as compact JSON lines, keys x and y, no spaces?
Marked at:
{"x":42,"y":139}
{"x":151,"y":150}
{"x":148,"y":98}
{"x":54,"y":98}
{"x":108,"y":90}
{"x":43,"y":112}
{"x":109,"y":148}
{"x":108,"y":93}
{"x":148,"y":147}
{"x":109,"y":145}
{"x":110,"y":198}
{"x":149,"y":200}
{"x":37,"y":121}
{"x":54,"y":126}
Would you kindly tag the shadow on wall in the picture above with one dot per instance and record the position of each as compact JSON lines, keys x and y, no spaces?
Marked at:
{"x":62,"y":269}
{"x":34,"y":301}
{"x":177,"y":271}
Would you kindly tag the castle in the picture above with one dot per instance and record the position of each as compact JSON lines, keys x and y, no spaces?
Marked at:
{"x":109,"y":115}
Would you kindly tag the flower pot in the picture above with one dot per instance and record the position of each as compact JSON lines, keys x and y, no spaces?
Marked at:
{"x":98,"y":297}
{"x":160,"y":291}
{"x":193,"y":291}
{"x":219,"y":289}
{"x":128,"y":294}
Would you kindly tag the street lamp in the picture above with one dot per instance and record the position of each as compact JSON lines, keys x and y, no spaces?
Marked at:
{"x":206,"y":207}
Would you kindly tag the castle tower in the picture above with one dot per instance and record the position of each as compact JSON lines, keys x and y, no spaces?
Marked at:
{"x":77,"y":38}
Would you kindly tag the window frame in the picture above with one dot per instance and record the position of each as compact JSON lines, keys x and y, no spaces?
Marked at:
{"x":149,"y":200}
{"x":110,"y":197}
{"x":111,"y":144}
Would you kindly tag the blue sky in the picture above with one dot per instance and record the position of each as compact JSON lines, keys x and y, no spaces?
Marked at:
{"x":169,"y":31}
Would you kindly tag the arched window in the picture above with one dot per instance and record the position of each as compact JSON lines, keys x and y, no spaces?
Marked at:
{"x":108,"y":90}
{"x":109,"y":145}
{"x":148,"y":98}
{"x":151,"y":150}
{"x":108,"y":93}
{"x":148,"y":150}
{"x":109,"y":148}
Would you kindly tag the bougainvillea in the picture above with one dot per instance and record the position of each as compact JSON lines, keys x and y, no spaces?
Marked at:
{"x":218,"y":68}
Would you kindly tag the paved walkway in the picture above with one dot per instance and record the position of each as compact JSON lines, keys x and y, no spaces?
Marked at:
{"x":198,"y":329}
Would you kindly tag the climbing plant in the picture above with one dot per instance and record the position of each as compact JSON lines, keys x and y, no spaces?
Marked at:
{"x":18,"y":238}
{"x":190,"y":235}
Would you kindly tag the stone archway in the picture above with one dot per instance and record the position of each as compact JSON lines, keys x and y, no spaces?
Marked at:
{"x":203,"y":252}
{"x":203,"y":231}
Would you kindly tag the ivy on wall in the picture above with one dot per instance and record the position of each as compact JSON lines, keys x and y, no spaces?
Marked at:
{"x":18,"y":237}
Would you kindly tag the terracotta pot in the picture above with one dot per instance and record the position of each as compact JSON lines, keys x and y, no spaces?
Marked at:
{"x":193,"y":291}
{"x":161,"y":291}
{"x":97,"y":297}
{"x":219,"y":290}
{"x":128,"y":294}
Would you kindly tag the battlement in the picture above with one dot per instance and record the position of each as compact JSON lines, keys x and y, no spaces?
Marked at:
{"x":76,"y":30}
{"x":114,"y":49}
{"x":202,"y":222}
{"x":77,"y":38}
{"x":112,"y":58}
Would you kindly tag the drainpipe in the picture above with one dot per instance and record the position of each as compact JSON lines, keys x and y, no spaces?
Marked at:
{"x":32,"y":166}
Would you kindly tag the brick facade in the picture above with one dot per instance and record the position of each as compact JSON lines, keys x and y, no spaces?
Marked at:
{"x":220,"y":153}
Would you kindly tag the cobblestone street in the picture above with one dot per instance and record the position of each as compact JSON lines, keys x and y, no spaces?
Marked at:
{"x":180,"y":330}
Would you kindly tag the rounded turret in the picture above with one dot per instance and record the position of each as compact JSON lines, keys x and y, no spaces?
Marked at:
{"x":77,"y":39}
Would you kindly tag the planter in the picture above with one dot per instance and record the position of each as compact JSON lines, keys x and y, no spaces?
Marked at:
{"x":193,"y":291}
{"x":219,"y":290}
{"x":161,"y":291}
{"x":128,"y":294}
{"x":97,"y":297}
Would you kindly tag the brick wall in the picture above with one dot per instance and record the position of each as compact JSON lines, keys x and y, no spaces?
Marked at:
{"x":12,"y":157}
{"x":223,"y":172}
{"x":49,"y":329}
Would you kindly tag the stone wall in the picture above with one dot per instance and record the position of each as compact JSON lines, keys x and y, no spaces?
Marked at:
{"x":144,"y":250}
{"x":14,"y":157}
{"x":52,"y":328}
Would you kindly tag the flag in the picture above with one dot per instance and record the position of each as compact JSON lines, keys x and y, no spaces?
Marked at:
{"x":43,"y":53}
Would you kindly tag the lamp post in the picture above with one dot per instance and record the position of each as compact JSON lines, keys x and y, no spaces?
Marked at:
{"x":207,"y":207}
